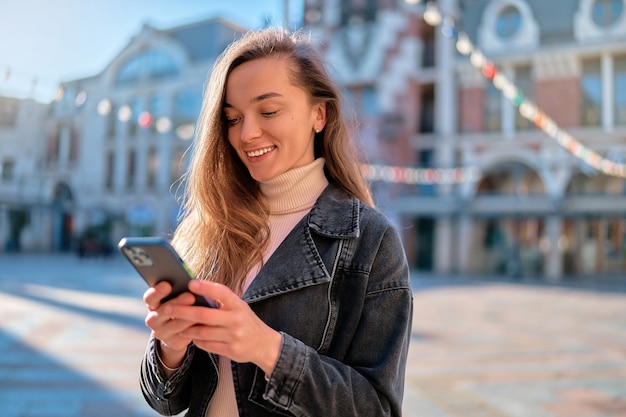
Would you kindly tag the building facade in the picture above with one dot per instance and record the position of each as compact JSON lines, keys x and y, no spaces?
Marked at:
{"x":112,"y":147}
{"x":539,"y":208}
{"x":115,"y":144}
{"x":21,"y":181}
{"x":535,"y":208}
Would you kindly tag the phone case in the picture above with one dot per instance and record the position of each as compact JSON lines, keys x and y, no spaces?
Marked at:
{"x":156,"y":260}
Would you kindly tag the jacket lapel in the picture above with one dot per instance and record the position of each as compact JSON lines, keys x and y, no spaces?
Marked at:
{"x":297,"y":263}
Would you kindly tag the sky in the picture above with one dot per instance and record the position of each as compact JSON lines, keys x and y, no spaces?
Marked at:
{"x":45,"y":42}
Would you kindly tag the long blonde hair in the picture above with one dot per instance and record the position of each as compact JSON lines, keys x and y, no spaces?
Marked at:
{"x":224,"y":229}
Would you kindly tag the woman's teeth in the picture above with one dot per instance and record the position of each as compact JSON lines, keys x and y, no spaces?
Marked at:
{"x":260,"y":151}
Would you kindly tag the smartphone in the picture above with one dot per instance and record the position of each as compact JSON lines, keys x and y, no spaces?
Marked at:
{"x":156,"y":260}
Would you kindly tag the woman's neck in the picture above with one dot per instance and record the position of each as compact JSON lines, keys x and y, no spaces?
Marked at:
{"x":296,"y":189}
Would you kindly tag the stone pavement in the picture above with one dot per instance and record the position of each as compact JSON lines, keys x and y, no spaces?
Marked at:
{"x":72,"y":335}
{"x":497,"y":349}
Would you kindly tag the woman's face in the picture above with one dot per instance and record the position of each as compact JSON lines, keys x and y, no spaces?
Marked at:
{"x":271,"y":122}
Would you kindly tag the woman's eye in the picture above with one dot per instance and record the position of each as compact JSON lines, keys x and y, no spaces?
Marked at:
{"x":232,"y":120}
{"x":269,"y":113}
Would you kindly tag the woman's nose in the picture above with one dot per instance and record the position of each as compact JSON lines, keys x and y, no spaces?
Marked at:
{"x":250,"y":130}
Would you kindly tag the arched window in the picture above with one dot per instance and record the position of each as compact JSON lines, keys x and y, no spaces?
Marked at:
{"x":150,"y":64}
{"x":508,"y":22}
{"x":597,"y":19}
{"x":511,"y":178}
{"x":600,"y":184}
{"x":506,"y":25}
{"x":606,"y":12}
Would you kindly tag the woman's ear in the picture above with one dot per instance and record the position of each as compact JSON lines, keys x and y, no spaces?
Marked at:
{"x":320,"y":117}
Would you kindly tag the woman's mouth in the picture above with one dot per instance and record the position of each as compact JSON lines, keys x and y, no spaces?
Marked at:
{"x":260,"y":152}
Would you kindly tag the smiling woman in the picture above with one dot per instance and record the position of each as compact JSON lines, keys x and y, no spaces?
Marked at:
{"x":271,"y":122}
{"x":279,"y":226}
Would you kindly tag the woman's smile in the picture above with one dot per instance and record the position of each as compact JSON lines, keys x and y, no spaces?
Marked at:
{"x":260,"y":152}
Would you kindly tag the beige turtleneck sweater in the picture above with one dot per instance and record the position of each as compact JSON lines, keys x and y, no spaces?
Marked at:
{"x":290,"y":196}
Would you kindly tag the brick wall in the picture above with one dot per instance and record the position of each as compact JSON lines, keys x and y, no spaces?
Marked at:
{"x":560,"y":99}
{"x":471,"y":104}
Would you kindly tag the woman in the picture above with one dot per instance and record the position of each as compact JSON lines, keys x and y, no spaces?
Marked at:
{"x":312,"y":284}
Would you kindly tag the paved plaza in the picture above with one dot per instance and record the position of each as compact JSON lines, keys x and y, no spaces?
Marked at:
{"x":72,"y":335}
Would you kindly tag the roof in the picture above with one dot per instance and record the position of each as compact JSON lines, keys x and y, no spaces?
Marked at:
{"x":205,"y":40}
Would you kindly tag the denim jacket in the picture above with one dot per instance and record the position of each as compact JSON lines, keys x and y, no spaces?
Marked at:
{"x":338,"y":290}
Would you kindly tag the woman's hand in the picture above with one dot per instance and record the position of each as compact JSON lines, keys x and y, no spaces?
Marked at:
{"x":232,"y":330}
{"x":166,"y":327}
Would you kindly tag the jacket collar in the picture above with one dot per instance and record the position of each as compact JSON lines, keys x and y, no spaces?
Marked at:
{"x":296,"y":263}
{"x":335,"y":214}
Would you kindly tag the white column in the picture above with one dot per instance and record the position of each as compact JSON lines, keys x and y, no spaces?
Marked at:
{"x":463,"y":244}
{"x":508,"y":108}
{"x":607,"y":92}
{"x":553,"y":262}
{"x":141,"y":164}
{"x":445,"y":128}
{"x":164,"y":150}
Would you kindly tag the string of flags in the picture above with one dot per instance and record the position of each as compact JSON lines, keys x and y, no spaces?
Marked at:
{"x":526,"y":108}
{"x":408,"y":175}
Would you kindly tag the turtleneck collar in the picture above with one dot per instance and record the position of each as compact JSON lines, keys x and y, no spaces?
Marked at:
{"x":295,"y":190}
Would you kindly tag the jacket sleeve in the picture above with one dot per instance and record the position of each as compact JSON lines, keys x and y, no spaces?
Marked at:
{"x":369,"y":380}
{"x":167,"y":396}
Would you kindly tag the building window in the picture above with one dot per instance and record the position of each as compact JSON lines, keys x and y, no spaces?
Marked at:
{"x":428,"y":52}
{"x":136,"y":107}
{"x":187,"y":106}
{"x":8,"y":111}
{"x":427,"y":109}
{"x":508,"y":22}
{"x":52,"y":153}
{"x":109,"y":170}
{"x":591,"y":89}
{"x":507,"y":25}
{"x":369,"y":101}
{"x":426,"y":159}
{"x":131,"y":164}
{"x":7,"y":170}
{"x":606,"y":12}
{"x":364,"y":100}
{"x":151,"y":64}
{"x":595,"y":19}
{"x":74,"y":144}
{"x":359,"y":10}
{"x":188,"y":103}
{"x":524,"y":82}
{"x":493,"y":109}
{"x":158,"y":104}
{"x":177,"y":165}
{"x":620,"y":90}
{"x":111,"y":122}
{"x":153,"y":168}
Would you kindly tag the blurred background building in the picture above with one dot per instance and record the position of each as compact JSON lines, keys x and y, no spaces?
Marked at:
{"x":472,"y":173}
{"x":111,"y":147}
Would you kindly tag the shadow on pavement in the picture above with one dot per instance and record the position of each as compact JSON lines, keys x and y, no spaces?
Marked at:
{"x":71,"y":338}
{"x":615,"y":283}
{"x":35,"y":384}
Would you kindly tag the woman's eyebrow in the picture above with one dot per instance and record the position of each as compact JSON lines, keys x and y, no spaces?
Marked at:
{"x":256,"y":99}
{"x":265,"y":97}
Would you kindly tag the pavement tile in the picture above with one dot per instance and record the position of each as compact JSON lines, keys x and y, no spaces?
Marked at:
{"x":586,"y":402}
